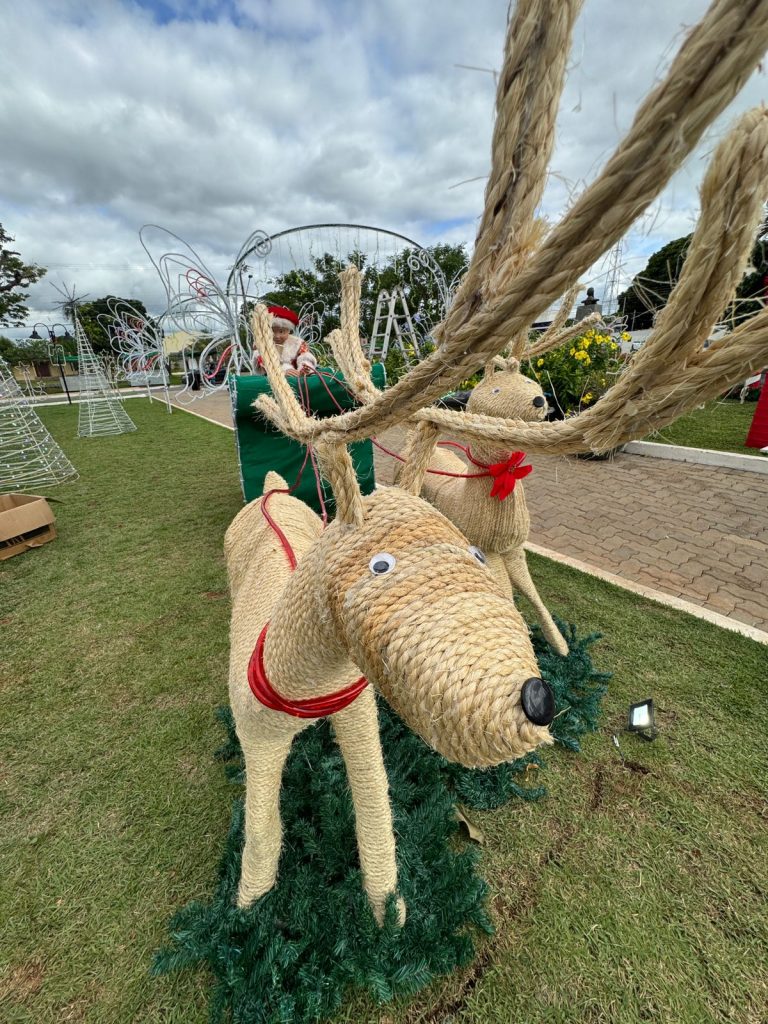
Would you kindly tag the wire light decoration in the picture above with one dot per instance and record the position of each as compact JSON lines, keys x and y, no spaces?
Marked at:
{"x":100,"y":412}
{"x":198,"y":306}
{"x":29,"y":456}
{"x":138,"y":346}
{"x":216,"y":316}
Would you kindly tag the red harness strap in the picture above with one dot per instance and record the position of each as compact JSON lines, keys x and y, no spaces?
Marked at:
{"x":262,"y":689}
{"x":313,"y":707}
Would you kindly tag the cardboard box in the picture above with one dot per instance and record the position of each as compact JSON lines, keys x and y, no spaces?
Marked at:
{"x":26,"y":521}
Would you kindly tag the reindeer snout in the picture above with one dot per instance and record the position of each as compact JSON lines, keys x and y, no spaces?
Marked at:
{"x":538,"y":701}
{"x":539,"y":402}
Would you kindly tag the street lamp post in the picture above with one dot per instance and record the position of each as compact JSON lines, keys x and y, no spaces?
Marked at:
{"x":56,"y":350}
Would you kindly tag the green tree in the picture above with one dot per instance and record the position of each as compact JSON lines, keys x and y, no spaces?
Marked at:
{"x":321,"y":284}
{"x":15,"y":276}
{"x":95,"y":317}
{"x":650,"y":289}
{"x":9,"y":351}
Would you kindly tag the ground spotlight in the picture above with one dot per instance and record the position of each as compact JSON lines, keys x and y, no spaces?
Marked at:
{"x":641,"y":719}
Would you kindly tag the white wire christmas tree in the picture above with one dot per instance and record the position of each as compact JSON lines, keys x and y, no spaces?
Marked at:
{"x":101,"y":410}
{"x":29,"y":456}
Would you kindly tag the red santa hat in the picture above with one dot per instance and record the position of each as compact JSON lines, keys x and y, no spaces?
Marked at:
{"x":289,"y":318}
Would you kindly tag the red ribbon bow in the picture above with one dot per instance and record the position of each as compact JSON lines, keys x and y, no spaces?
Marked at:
{"x":506,"y":474}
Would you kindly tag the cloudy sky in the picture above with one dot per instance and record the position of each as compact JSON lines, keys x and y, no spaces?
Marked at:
{"x":216,"y":117}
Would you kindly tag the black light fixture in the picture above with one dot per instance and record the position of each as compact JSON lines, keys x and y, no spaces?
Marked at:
{"x":641,"y":719}
{"x":55,"y":350}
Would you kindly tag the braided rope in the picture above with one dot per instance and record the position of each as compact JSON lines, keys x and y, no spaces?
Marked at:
{"x":417,"y":454}
{"x":563,"y":313}
{"x":550,"y":340}
{"x":711,"y":66}
{"x":527,"y":101}
{"x":286,"y":413}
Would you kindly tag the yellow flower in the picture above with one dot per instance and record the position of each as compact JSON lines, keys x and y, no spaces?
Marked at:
{"x":625,"y":336}
{"x":614,"y":346}
{"x":588,"y":397}
{"x":539,"y":362}
{"x":573,"y":352}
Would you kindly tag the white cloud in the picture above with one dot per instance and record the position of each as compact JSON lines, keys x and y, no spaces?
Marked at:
{"x":215,"y":118}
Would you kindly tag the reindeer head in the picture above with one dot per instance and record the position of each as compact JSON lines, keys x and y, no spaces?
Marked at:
{"x":424,"y":619}
{"x":507,"y":393}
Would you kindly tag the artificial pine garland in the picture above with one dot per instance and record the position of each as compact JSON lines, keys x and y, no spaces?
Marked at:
{"x":291,"y":957}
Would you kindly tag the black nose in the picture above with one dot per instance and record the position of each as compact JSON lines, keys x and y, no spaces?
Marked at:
{"x":539,"y":401}
{"x":538,"y":701}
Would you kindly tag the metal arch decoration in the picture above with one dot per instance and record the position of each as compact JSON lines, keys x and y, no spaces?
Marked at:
{"x":260,"y":245}
{"x":251,"y":273}
{"x":198,"y":305}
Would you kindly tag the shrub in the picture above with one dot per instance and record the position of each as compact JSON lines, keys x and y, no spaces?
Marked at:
{"x":577,"y":373}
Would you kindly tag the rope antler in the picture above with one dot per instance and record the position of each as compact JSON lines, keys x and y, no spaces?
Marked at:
{"x":286,"y":413}
{"x":345,"y":342}
{"x":673,"y":372}
{"x":710,"y":68}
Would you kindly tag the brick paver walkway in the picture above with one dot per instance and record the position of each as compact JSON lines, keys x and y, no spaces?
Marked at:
{"x":695,"y":532}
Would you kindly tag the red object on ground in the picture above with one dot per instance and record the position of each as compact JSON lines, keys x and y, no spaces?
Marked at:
{"x":758,"y":431}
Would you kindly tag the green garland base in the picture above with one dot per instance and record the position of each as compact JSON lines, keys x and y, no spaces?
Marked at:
{"x":292,"y":956}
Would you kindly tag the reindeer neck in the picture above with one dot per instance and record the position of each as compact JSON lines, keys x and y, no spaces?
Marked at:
{"x":303,"y":654}
{"x":489,"y":452}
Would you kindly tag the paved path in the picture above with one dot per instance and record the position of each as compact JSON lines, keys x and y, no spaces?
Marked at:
{"x":696,"y":532}
{"x":699,"y":533}
{"x":216,"y":407}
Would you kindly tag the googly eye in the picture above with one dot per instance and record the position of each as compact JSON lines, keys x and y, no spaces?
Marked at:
{"x":479,"y":555}
{"x":495,"y":391}
{"x":382,"y":563}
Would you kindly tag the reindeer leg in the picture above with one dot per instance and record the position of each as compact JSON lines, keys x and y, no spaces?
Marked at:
{"x":517,"y":567}
{"x":357,"y":733}
{"x":264,"y":761}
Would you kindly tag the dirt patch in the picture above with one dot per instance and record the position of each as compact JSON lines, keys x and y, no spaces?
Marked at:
{"x":22,"y":981}
{"x":597,"y":788}
{"x":215,"y":595}
{"x":556,"y":850}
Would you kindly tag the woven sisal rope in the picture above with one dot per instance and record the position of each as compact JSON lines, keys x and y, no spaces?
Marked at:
{"x":496,"y":527}
{"x":550,"y":339}
{"x":710,"y":68}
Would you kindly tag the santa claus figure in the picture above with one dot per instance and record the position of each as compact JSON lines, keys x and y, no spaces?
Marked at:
{"x":295,"y":357}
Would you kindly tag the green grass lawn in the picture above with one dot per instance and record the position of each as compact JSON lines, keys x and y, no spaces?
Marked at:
{"x":721,"y":426}
{"x":636,"y":891}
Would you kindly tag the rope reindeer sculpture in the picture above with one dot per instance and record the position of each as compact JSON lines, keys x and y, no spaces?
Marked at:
{"x":486,"y":501}
{"x":392,"y":595}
